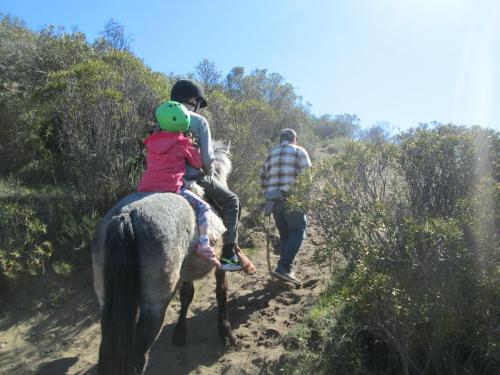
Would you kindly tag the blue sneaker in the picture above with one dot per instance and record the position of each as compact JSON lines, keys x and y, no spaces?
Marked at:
{"x":230,"y":264}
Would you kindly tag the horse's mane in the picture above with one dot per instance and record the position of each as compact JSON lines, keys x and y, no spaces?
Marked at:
{"x":222,"y":164}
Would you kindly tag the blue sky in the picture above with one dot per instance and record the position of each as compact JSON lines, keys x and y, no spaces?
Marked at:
{"x":401,"y":61}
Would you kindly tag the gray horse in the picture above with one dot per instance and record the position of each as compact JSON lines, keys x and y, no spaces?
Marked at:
{"x":142,"y":252}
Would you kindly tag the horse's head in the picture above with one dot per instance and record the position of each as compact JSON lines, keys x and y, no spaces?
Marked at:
{"x":222,"y":165}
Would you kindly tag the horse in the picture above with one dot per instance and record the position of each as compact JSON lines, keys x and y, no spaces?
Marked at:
{"x":142,"y":252}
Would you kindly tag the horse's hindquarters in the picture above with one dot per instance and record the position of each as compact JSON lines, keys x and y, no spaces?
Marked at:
{"x":155,"y":232}
{"x":194,"y":267}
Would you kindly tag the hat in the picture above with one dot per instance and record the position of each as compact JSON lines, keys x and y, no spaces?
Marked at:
{"x":288,"y":134}
{"x":187,"y":88}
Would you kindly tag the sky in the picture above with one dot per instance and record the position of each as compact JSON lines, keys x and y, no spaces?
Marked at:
{"x":399,"y":61}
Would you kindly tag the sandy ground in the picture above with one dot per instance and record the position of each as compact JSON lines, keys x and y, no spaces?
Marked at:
{"x":64,"y":339}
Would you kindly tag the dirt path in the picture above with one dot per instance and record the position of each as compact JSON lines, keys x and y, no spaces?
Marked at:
{"x":66,"y":341}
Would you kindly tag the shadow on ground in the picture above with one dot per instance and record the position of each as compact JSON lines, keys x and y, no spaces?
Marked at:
{"x":204,"y":347}
{"x":54,"y":311}
{"x":57,"y":367}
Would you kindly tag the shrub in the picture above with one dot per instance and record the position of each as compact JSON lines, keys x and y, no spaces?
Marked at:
{"x":24,"y":246}
{"x":413,"y":234}
{"x":332,"y":150}
{"x":41,"y":230}
{"x":98,"y":115}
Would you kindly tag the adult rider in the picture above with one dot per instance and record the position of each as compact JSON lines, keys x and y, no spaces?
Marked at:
{"x":191,"y":94}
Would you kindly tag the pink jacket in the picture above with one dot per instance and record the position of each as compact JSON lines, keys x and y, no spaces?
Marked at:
{"x":167,"y":153}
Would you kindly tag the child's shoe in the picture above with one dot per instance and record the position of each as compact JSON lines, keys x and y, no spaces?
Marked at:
{"x":231,"y":264}
{"x":207,"y":252}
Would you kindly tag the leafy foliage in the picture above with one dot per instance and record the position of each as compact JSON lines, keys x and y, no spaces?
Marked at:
{"x":413,"y":237}
{"x":102,"y":110}
{"x":24,"y":247}
{"x":73,"y":119}
{"x":345,"y":125}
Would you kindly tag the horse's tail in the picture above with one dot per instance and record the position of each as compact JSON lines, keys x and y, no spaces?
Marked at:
{"x":121,"y":299}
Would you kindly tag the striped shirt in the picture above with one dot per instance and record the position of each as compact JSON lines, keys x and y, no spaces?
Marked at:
{"x":282,"y":166}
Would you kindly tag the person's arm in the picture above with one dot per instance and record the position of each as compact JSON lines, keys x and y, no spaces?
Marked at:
{"x":304,"y":164}
{"x":207,"y":152}
{"x":304,"y":161}
{"x":192,"y":153}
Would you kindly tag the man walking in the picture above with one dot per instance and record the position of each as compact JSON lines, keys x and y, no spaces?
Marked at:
{"x":280,"y":170}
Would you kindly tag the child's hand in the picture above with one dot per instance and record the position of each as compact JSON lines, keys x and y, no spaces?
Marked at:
{"x":193,"y":139}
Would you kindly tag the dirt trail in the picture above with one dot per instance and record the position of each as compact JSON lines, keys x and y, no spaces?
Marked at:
{"x":261,"y":311}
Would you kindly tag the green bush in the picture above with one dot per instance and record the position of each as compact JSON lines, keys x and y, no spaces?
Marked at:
{"x":24,"y":247}
{"x":42,"y":230}
{"x":75,"y":234}
{"x":413,"y":237}
{"x":103,"y":109}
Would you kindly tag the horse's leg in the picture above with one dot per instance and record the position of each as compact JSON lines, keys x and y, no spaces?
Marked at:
{"x":223,"y":325}
{"x":148,"y":327}
{"x":186,"y":296}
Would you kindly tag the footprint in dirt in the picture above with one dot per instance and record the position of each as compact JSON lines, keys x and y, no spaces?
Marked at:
{"x":272,"y":333}
{"x":310,"y":284}
{"x":268,"y":315}
{"x":269,"y":337}
{"x":288,"y":299}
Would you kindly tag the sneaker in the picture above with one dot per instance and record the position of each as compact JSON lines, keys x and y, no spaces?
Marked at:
{"x":207,"y":252}
{"x":231,"y":264}
{"x":287,"y":276}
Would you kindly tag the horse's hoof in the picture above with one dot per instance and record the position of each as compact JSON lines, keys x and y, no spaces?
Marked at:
{"x":229,"y":342}
{"x":227,"y":336}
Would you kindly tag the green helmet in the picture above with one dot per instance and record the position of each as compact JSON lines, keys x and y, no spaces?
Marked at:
{"x":173,"y":117}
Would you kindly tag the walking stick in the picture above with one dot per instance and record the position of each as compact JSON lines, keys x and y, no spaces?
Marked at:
{"x":268,"y":249}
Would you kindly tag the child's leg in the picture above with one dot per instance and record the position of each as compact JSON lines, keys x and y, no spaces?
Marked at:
{"x":201,"y":207}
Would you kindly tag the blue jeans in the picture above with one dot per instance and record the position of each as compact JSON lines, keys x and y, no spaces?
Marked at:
{"x":291,"y":225}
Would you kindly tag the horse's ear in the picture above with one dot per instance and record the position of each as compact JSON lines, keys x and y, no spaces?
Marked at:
{"x":228,"y":146}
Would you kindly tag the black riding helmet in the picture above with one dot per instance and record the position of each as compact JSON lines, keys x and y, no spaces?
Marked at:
{"x":187,"y":88}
